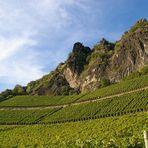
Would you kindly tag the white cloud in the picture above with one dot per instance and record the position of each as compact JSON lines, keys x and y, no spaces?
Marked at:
{"x":19,"y":72}
{"x":9,"y":47}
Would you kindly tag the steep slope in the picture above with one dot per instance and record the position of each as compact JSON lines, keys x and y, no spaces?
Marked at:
{"x":54,"y":83}
{"x":65,"y":78}
{"x":132,"y":51}
{"x":87,"y":70}
{"x":113,"y":62}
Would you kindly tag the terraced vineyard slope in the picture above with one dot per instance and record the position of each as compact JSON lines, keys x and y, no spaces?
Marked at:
{"x":113,"y":106}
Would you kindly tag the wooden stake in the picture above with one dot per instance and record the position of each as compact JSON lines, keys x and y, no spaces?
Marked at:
{"x":146,"y":138}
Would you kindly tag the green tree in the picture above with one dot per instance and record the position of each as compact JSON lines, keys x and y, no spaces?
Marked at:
{"x":105,"y":82}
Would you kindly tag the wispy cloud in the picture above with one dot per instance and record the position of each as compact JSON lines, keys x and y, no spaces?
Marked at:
{"x":9,"y":46}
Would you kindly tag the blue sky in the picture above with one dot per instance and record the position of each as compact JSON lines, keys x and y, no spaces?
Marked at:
{"x":36,"y":35}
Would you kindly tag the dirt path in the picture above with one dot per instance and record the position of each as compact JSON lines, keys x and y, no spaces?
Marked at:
{"x":75,"y":103}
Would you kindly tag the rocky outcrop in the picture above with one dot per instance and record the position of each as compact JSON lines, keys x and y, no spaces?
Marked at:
{"x":132,"y":53}
{"x":86,"y":68}
{"x":97,"y":67}
{"x":112,"y":61}
{"x":75,"y":64}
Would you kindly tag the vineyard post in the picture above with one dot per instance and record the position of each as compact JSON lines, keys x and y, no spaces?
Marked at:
{"x":146,"y":138}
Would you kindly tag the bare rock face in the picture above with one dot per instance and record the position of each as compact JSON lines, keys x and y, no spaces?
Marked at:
{"x":132,"y":53}
{"x":72,"y":78}
{"x":75,"y":64}
{"x":97,"y":67}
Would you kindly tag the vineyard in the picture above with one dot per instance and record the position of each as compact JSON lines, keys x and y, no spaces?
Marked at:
{"x":125,"y":104}
{"x":27,"y":116}
{"x":40,"y":100}
{"x":110,"y":107}
{"x":113,"y":116}
{"x":124,"y":131}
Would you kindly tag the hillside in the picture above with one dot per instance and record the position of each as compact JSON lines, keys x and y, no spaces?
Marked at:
{"x":86,"y":68}
{"x":126,"y":97}
{"x":124,"y":87}
{"x":113,"y":116}
{"x":73,"y":74}
{"x":89,"y":69}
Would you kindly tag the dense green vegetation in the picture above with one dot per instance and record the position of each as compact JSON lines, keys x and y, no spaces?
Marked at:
{"x":113,"y":132}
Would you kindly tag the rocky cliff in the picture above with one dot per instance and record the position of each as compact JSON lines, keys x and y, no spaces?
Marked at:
{"x":86,"y":68}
